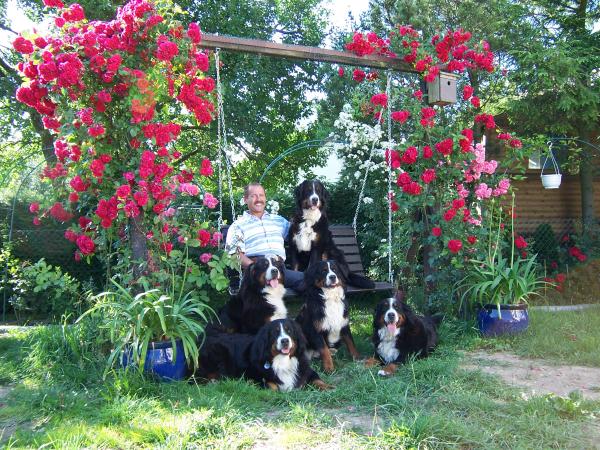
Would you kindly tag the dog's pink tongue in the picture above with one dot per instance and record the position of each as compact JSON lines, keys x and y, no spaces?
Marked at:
{"x":274,"y":282}
{"x":285,"y":351}
{"x":391,"y":327}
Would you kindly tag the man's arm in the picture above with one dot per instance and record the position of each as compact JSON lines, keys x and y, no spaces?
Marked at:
{"x":244,"y":260}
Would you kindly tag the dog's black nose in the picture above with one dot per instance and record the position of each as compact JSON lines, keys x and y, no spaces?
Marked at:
{"x":285,"y":342}
{"x":314,"y":200}
{"x":391,"y":316}
{"x":274,"y":273}
{"x":332,"y":277}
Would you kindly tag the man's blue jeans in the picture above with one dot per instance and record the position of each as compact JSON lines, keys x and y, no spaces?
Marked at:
{"x":294,"y":280}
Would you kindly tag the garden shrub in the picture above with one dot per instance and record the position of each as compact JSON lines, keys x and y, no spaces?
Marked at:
{"x":545,"y":244}
{"x":41,"y":290}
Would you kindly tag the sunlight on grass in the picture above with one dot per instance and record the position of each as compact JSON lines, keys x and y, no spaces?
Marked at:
{"x":431,"y":403}
{"x":566,"y":337}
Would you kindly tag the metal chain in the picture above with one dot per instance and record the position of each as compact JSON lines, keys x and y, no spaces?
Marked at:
{"x":364,"y":182}
{"x":389,"y":164}
{"x":222,"y":144}
{"x":219,"y":143}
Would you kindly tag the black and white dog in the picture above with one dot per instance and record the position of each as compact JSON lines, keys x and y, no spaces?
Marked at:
{"x":275,"y":357}
{"x":324,"y":315}
{"x":311,"y":240}
{"x":399,"y":333}
{"x":260,"y":298}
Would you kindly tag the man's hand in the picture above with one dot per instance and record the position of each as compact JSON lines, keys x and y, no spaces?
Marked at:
{"x":244,"y":260}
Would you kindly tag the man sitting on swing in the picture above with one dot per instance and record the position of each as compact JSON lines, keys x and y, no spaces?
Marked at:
{"x":259,"y":233}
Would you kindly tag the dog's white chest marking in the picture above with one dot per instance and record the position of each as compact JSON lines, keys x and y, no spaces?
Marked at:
{"x":286,"y":369}
{"x":387,"y":345}
{"x":334,"y":319}
{"x":306,"y":233}
{"x":274,"y":297}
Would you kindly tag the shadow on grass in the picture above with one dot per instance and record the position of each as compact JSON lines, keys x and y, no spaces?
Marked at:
{"x":429,"y":403}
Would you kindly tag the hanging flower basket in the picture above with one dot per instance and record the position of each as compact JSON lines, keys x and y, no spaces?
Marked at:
{"x":551,"y":181}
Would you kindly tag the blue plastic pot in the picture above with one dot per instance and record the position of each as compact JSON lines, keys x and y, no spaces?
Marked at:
{"x":159,"y":361}
{"x":511,"y":320}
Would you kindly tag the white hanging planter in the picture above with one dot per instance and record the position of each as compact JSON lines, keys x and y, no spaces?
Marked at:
{"x":551,"y":181}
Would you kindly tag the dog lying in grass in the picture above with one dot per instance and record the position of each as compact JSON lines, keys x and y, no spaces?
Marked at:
{"x":399,"y":333}
{"x":275,"y":357}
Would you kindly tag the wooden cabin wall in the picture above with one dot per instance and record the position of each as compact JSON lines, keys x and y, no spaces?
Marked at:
{"x":561,"y":208}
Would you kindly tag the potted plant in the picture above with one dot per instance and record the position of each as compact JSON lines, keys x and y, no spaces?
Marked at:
{"x":158,"y":330}
{"x":500,"y":286}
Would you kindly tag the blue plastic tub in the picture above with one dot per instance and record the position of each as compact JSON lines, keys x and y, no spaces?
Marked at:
{"x":511,"y":320}
{"x":159,"y":361}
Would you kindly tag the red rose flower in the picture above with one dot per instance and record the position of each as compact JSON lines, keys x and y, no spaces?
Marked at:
{"x":449,"y":215}
{"x":194,"y":33}
{"x":436,"y":231}
{"x":471,"y":239}
{"x":520,"y":242}
{"x":561,"y":277}
{"x":400,"y":116}
{"x":203,"y":237}
{"x":22,"y":45}
{"x":454,"y":245}
{"x":428,"y":176}
{"x":458,"y":203}
{"x":358,"y":75}
{"x":86,"y":244}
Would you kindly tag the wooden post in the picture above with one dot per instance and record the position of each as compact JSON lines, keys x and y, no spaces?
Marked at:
{"x":301,"y":52}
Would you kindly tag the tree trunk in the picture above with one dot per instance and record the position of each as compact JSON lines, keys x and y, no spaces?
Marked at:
{"x":139,"y":249}
{"x":45,"y":136}
{"x":586,"y":180}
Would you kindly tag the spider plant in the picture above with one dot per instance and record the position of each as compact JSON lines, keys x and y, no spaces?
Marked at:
{"x":135,"y":321}
{"x":498,"y":279}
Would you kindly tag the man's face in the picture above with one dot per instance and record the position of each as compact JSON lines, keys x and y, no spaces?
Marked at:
{"x":256,"y":200}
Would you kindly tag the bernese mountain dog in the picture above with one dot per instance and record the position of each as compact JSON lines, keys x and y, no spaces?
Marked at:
{"x":399,"y":333}
{"x":275,"y":357}
{"x":260,"y":298}
{"x":324,"y":315}
{"x":310,"y":237}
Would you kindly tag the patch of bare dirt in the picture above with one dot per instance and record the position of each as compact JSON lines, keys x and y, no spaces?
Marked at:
{"x":8,"y":428}
{"x":537,"y":375}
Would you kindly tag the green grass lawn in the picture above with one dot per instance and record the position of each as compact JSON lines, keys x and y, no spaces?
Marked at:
{"x":57,"y":399}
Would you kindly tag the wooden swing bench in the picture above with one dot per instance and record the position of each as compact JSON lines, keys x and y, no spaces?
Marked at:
{"x":345,"y":239}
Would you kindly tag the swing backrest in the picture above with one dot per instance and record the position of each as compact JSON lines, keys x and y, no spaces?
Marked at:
{"x":345,"y":239}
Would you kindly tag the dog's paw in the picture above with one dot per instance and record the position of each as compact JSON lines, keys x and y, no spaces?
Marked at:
{"x":388,"y":370}
{"x":370,"y":362}
{"x":322,"y":386}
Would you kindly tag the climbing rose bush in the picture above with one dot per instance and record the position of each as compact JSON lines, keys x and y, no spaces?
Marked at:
{"x":115,"y":96}
{"x":442,"y":179}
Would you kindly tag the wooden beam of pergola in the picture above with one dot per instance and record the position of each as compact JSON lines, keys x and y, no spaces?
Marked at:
{"x":301,"y":52}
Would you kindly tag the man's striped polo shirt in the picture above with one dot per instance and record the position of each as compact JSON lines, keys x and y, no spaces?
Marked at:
{"x":253,"y":236}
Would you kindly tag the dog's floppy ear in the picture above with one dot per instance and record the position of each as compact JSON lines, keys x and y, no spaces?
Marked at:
{"x":300,"y":339}
{"x":248,"y":278}
{"x":400,"y":295}
{"x":325,"y":199}
{"x":298,"y":195}
{"x":309,"y":275}
{"x":261,"y":348}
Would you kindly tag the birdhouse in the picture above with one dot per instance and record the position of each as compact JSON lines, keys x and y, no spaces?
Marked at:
{"x":442,"y":90}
